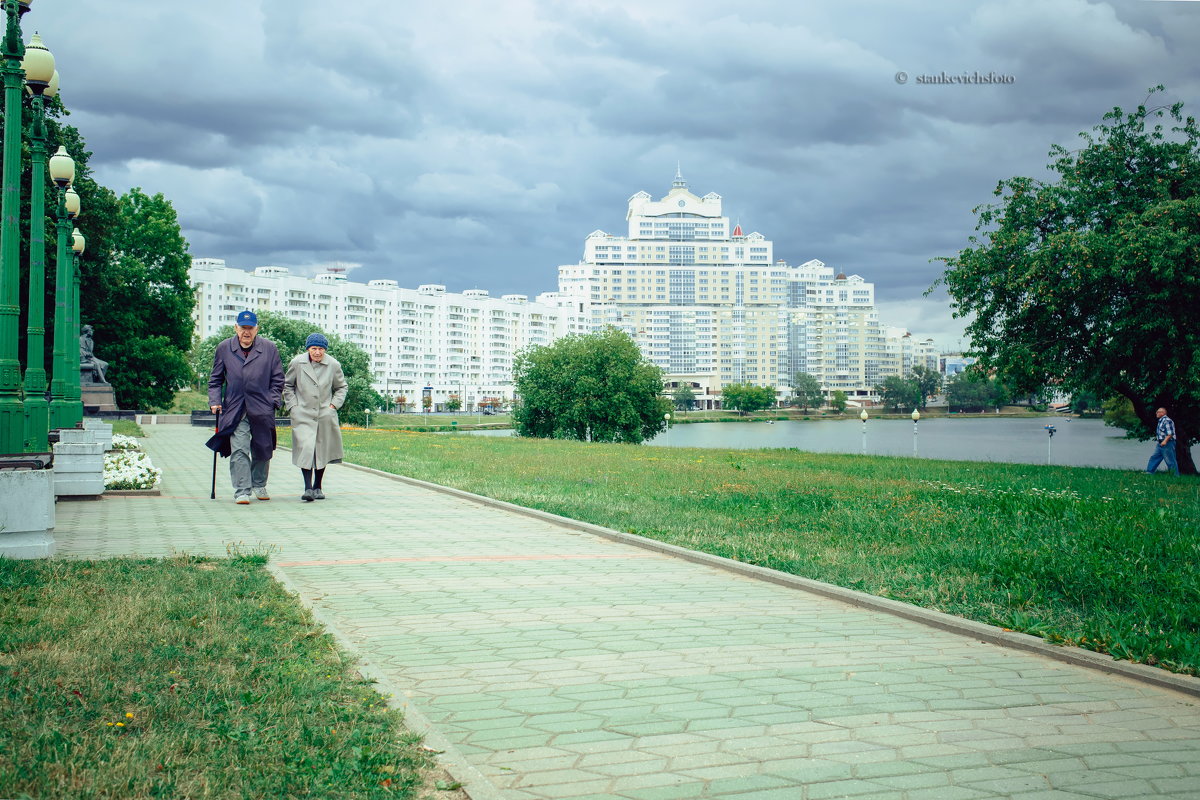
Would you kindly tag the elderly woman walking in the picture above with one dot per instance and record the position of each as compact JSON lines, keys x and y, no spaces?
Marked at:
{"x":314,"y":388}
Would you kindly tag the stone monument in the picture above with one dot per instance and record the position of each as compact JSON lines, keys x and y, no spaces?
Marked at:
{"x":95,"y":390}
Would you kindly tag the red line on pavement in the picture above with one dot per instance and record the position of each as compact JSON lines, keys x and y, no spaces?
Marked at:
{"x":415,"y":559}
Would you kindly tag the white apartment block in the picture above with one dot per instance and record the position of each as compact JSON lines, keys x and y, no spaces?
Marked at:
{"x":710,"y":305}
{"x":454,"y":344}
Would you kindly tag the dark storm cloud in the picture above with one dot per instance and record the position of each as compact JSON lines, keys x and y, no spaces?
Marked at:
{"x":476,"y":144}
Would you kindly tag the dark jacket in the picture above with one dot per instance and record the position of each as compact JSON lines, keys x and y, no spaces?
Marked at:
{"x":253,"y":389}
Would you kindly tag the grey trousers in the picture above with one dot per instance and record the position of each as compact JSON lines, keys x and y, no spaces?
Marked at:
{"x":245,"y":471}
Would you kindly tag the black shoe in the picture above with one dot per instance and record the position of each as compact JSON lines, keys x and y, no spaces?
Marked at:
{"x":308,"y":496}
{"x":317,"y":493}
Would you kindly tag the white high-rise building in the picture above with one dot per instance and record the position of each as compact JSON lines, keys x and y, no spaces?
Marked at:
{"x":455,"y":344}
{"x":709,"y":304}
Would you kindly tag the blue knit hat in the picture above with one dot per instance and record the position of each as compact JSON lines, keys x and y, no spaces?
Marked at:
{"x":316,"y":340}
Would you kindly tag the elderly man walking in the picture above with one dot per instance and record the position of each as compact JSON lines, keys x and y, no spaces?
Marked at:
{"x":248,"y":367}
{"x":1164,"y":444}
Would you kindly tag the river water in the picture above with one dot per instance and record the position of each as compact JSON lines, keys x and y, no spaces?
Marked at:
{"x":1076,"y":442}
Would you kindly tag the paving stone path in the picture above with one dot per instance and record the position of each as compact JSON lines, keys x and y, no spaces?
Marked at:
{"x":554,"y":664}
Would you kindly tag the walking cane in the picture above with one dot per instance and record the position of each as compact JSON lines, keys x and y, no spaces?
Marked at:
{"x":213,"y":494}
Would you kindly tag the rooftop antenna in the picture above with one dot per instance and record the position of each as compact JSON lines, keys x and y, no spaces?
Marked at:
{"x":679,"y":182}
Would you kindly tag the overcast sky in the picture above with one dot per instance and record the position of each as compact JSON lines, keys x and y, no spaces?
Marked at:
{"x":476,"y":144}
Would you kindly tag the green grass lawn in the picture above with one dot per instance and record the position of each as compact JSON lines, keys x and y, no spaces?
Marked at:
{"x":185,"y":401}
{"x":127,"y":427}
{"x":433,"y":422}
{"x":184,"y":677}
{"x":1103,"y":559}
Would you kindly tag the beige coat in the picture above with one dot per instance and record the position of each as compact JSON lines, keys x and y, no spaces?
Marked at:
{"x":309,"y":389}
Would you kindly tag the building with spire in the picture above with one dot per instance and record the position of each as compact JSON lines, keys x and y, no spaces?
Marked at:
{"x":709,"y":303}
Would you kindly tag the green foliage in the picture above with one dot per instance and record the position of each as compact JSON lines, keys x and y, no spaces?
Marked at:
{"x":807,"y":390}
{"x":1118,"y":413}
{"x":1084,"y":402}
{"x":289,"y":334}
{"x":453,"y":403}
{"x":684,"y":397}
{"x":746,"y":397}
{"x":928,"y":381}
{"x":139,"y":300}
{"x":899,"y":394}
{"x":837,"y":401}
{"x":971,"y":390}
{"x":1093,"y":278}
{"x":596,"y":387}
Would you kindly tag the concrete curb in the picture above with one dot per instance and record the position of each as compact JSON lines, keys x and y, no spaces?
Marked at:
{"x":474,"y":783}
{"x":946,"y":622}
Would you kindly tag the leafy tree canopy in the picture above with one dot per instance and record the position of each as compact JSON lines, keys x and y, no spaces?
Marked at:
{"x":684,"y":397}
{"x":928,"y":381}
{"x":837,"y":401}
{"x":596,"y":387}
{"x":807,"y":390}
{"x":971,"y":390}
{"x":898,"y":393}
{"x":746,"y":397}
{"x":140,"y":301}
{"x":1093,"y":277}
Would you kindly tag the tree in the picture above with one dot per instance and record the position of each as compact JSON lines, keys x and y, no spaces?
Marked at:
{"x":899,"y":393}
{"x":928,"y":381}
{"x":139,"y":299}
{"x":1094,"y":276}
{"x":453,"y":403}
{"x":837,"y":401}
{"x":1085,"y":401}
{"x":807,"y":390}
{"x":684,"y":397}
{"x":596,"y":387}
{"x":746,"y":397}
{"x":289,"y":334}
{"x":1118,"y":413}
{"x":971,"y":390}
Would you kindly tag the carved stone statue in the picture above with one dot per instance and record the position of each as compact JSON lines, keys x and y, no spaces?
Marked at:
{"x":91,"y":369}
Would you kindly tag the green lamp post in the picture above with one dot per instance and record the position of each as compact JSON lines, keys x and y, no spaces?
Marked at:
{"x":41,"y":81}
{"x":62,"y":172}
{"x":74,"y":392}
{"x":12,"y":415}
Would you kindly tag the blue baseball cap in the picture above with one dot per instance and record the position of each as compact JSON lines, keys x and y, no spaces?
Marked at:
{"x":247,"y":318}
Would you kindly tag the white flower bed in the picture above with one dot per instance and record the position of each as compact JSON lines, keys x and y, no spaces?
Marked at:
{"x":129,"y":469}
{"x":121,"y":442}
